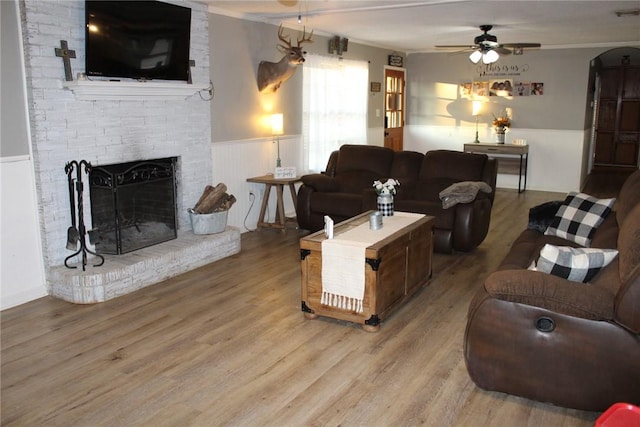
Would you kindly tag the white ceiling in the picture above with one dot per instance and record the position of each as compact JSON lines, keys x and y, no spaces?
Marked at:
{"x":417,"y":26}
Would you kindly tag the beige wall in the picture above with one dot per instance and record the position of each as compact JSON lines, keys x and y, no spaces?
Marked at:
{"x":557,"y":125}
{"x":14,"y":124}
{"x":237,"y":47}
{"x":432,"y":80}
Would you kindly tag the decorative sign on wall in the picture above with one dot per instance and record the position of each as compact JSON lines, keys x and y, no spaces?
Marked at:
{"x":338,"y":45}
{"x":376,"y":86}
{"x":395,"y":60}
{"x":501,"y":79}
{"x":502,"y":70}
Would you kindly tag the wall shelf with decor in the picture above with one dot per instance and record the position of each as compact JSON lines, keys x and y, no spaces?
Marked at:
{"x":92,"y":90}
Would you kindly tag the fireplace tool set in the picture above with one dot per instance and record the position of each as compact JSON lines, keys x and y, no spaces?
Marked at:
{"x":77,"y":232}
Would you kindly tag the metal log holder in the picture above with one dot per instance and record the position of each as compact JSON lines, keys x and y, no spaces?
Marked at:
{"x":78,"y":215}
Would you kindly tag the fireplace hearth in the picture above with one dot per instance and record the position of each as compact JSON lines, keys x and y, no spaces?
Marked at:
{"x":133,"y":205}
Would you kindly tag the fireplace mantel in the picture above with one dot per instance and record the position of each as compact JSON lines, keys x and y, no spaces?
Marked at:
{"x":94,"y":90}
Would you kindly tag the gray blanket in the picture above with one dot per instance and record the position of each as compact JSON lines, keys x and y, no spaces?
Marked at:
{"x":462,"y":192}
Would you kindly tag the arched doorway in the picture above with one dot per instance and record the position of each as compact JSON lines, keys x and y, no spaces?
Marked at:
{"x":615,"y":122}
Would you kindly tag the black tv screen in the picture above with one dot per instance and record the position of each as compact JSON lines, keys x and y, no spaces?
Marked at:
{"x":137,"y":39}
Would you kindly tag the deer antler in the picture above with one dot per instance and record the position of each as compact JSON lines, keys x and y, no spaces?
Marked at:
{"x":305,"y":39}
{"x":283,"y":39}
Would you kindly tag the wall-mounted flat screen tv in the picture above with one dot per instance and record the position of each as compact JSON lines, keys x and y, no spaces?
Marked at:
{"x":137,"y":39}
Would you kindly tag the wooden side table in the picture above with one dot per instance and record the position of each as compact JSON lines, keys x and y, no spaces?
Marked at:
{"x":269,"y":181}
{"x":506,"y":161}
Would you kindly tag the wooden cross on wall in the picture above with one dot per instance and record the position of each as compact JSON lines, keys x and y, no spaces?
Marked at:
{"x":64,"y":52}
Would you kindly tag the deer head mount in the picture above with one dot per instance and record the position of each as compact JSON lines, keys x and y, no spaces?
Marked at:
{"x":272,"y":74}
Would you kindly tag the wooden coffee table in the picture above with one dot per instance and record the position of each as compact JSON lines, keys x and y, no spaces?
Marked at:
{"x":395,"y":268}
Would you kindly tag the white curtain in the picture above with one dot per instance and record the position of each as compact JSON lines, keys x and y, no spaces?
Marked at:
{"x":334,"y":107}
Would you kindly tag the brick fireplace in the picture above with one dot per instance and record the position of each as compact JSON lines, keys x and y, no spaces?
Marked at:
{"x":103,"y":131}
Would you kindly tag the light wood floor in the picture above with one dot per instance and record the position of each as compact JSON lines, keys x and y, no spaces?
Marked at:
{"x":227,"y":344}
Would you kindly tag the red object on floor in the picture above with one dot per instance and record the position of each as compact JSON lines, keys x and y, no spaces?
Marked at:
{"x":620,"y":415}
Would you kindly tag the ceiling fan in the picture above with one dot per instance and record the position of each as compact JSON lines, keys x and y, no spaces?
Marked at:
{"x":487,"y":48}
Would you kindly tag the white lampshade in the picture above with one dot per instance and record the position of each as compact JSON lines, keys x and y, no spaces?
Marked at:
{"x":475,"y":56}
{"x":476,"y":108}
{"x":277,"y":126}
{"x":490,"y":57}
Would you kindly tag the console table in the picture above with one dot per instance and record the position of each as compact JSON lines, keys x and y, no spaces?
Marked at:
{"x":507,"y":161}
{"x":269,"y":181}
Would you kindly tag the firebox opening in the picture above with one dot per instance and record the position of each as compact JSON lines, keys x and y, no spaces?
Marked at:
{"x":133,"y":205}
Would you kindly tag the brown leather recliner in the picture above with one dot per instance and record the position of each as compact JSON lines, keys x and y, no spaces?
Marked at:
{"x":339,"y":191}
{"x":549,"y":339}
{"x":464,"y":226}
{"x":345,"y":190}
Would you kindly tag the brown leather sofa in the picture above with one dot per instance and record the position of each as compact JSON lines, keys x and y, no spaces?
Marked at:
{"x":345,"y":190}
{"x":545,"y":338}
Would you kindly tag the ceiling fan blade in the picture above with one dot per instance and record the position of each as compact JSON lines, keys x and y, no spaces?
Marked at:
{"x":487,"y":42}
{"x":454,"y":46}
{"x":523,"y":45}
{"x":503,"y":51}
{"x":457,"y":52}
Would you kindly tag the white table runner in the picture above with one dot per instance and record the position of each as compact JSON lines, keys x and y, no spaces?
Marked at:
{"x":343,"y":261}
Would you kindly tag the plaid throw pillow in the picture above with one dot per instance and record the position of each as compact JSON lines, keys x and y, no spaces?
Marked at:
{"x":576,"y":264}
{"x":579,"y":217}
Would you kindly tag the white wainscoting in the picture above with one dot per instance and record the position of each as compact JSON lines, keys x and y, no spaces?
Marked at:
{"x":22,"y":267}
{"x":555,"y":156}
{"x":554,"y":166}
{"x":235,"y":161}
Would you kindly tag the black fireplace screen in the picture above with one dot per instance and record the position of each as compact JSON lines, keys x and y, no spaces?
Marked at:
{"x":133,"y":205}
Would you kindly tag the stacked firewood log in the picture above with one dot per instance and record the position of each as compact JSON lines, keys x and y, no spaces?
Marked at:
{"x":214,"y":199}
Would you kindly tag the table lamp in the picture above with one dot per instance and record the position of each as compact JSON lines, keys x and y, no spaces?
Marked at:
{"x":277,"y":128}
{"x":477,"y":107}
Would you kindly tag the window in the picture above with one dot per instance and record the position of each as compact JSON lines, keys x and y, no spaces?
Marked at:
{"x":334,"y":107}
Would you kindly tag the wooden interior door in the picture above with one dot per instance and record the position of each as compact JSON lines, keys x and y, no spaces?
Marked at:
{"x":618,"y":118}
{"x":394,"y":104}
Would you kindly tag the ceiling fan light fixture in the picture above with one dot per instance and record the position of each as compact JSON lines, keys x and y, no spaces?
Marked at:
{"x":490,"y":57}
{"x":475,"y":56}
{"x":487,"y":48}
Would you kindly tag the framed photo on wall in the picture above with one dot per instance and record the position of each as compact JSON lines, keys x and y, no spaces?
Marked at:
{"x":502,"y":87}
{"x":480,"y":88}
{"x":466,"y":89}
{"x":522,"y":88}
{"x":537,"y":88}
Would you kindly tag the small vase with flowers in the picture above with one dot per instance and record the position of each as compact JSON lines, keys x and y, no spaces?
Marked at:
{"x":385,"y":193}
{"x":501,"y":125}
